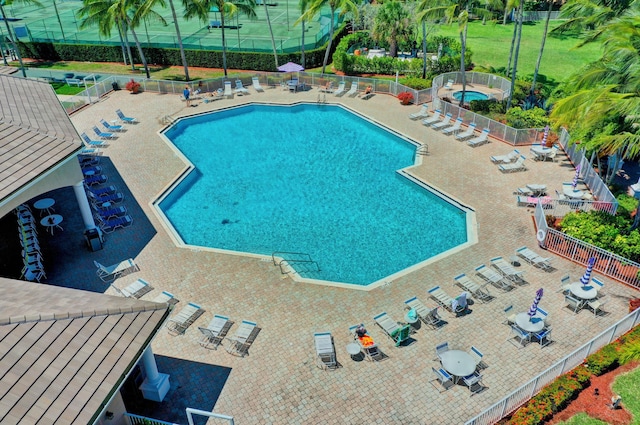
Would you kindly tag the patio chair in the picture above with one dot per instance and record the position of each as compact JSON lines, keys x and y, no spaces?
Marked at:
{"x":255,"y":82}
{"x":443,"y":377}
{"x":111,"y":127}
{"x":493,"y":277}
{"x":228,"y":92}
{"x":596,"y":306}
{"x":86,"y":140}
{"x":480,"y":140}
{"x":422,"y":113}
{"x":135,"y":290}
{"x":243,"y":339}
{"x":428,"y":315}
{"x":353,"y":91}
{"x":398,"y":333}
{"x":454,"y":128}
{"x":543,"y":337}
{"x":123,"y":118}
{"x":441,"y":348}
{"x":215,"y":331}
{"x":325,"y":350}
{"x":240,"y":90}
{"x":473,"y":382}
{"x":513,"y":167}
{"x":166,"y":297}
{"x":468,"y":133}
{"x":478,"y":357}
{"x":522,"y":337}
{"x":478,"y":291}
{"x":446,"y":122}
{"x":573,"y":303}
{"x":368,"y":346}
{"x":599,"y":286}
{"x":114,"y":271}
{"x":565,"y":284}
{"x":445,"y":300}
{"x":534,"y":258}
{"x":510,"y":316}
{"x":178,"y":324}
{"x":102,"y":135}
{"x":433,"y":118}
{"x":507,"y":270}
{"x":341,"y":89}
{"x":506,"y":159}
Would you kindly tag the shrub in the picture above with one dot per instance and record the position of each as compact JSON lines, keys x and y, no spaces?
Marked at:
{"x":416,"y":83}
{"x":488,"y":105}
{"x":531,"y":118}
{"x":405,"y":97}
{"x":133,"y":86}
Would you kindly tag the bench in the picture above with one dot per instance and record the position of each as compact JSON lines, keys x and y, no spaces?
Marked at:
{"x":214,"y":24}
{"x":74,"y":82}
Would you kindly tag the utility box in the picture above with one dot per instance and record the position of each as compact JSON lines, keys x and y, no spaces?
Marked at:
{"x":94,"y":239}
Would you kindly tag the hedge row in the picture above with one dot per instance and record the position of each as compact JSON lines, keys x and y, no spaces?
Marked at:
{"x":258,"y":61}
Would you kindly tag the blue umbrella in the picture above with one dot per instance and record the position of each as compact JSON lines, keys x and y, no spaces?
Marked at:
{"x":534,"y":307}
{"x":587,"y":274}
{"x":576,"y":177}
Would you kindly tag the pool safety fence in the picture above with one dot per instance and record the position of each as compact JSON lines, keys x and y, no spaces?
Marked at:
{"x":131,"y":419}
{"x":525,"y":392}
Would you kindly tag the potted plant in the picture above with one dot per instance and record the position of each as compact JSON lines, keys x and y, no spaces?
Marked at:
{"x":133,"y":86}
{"x":405,"y":97}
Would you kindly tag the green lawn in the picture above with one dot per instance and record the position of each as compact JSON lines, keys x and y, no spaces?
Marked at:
{"x":491,"y":43}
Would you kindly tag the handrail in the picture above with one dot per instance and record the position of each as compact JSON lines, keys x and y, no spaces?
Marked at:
{"x":275,"y":254}
{"x":289,"y":262}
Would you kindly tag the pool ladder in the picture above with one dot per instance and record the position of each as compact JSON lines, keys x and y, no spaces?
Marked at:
{"x":285,"y":260}
{"x":322,"y":98}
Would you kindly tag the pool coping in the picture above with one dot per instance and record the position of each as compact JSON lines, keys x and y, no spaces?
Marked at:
{"x":470,"y":214}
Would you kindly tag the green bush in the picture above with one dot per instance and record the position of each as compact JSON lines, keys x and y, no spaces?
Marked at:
{"x":416,"y":83}
{"x":486,"y":106}
{"x":603,"y":360}
{"x":531,"y":118}
{"x":626,"y":205}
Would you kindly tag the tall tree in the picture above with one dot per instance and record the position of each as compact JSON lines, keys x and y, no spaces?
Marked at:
{"x":227,"y":9}
{"x":273,"y":40}
{"x":183,"y":56}
{"x":10,"y":34}
{"x":516,"y":52}
{"x":335,"y":6}
{"x":304,"y":6}
{"x":393,"y":24}
{"x":542,"y":43}
{"x":586,"y":15}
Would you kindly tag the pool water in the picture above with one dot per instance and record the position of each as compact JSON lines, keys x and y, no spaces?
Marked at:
{"x":470,"y":95}
{"x":315,"y":179}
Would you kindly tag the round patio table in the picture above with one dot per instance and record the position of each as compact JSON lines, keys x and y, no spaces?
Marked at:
{"x":44,"y":204}
{"x":536,"y":324}
{"x":52,"y":221}
{"x":458,"y":363}
{"x":353,"y":349}
{"x":585,"y":292}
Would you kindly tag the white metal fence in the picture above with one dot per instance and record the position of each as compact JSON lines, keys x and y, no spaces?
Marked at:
{"x":521,"y":395}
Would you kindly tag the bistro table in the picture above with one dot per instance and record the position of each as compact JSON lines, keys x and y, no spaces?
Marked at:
{"x":537,"y":189}
{"x":572,"y":193}
{"x":44,"y":204}
{"x":540,"y":152}
{"x":458,"y":363}
{"x":353,"y":349}
{"x":52,"y":221}
{"x":530,"y":324}
{"x":584,"y":292}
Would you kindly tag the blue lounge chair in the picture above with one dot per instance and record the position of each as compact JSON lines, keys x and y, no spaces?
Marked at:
{"x":123,"y":118}
{"x":104,"y":135}
{"x":114,"y":198}
{"x":92,"y":143}
{"x":107,"y":214}
{"x":110,"y":225}
{"x":97,"y":179}
{"x":102,"y":190}
{"x":111,"y":127}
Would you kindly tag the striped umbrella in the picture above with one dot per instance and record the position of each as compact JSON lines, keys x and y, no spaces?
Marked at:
{"x":576,"y":177}
{"x":586,"y":278}
{"x":534,"y":307}
{"x":545,"y":135}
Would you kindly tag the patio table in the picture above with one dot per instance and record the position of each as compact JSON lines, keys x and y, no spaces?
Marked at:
{"x":458,"y":363}
{"x":584,"y":292}
{"x":530,"y":324}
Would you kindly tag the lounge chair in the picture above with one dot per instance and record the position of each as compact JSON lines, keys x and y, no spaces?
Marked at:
{"x":341,"y":89}
{"x":215,"y":331}
{"x":353,"y":91}
{"x":367,"y":94}
{"x":178,"y":324}
{"x":102,"y":135}
{"x":93,"y":152}
{"x":493,"y":277}
{"x":516,"y":166}
{"x":422,"y":113}
{"x":468,"y":133}
{"x":111,"y":127}
{"x":478,"y":291}
{"x":240,"y":90}
{"x":135,"y":290}
{"x":443,"y":377}
{"x":111,"y":224}
{"x":368,"y":347}
{"x":396,"y":332}
{"x":506,"y":159}
{"x":449,"y":85}
{"x":109,"y":213}
{"x":507,"y":270}
{"x":433,"y":118}
{"x":255,"y":82}
{"x":101,"y":190}
{"x":532,"y":201}
{"x":88,"y":160}
{"x":86,"y":140}
{"x":166,"y":297}
{"x":124,"y":118}
{"x":454,"y":128}
{"x":97,"y":179}
{"x":228,"y":93}
{"x":327,"y":88}
{"x":243,"y":338}
{"x":114,"y":271}
{"x":480,"y":140}
{"x":534,"y":258}
{"x":428,"y":315}
{"x":90,"y":171}
{"x":325,"y":350}
{"x":446,"y":122}
{"x":445,"y":301}
{"x":114,"y":198}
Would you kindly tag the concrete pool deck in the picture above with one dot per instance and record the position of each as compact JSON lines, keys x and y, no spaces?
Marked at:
{"x":278,"y":382}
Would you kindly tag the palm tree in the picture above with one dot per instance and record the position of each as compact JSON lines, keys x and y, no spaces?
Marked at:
{"x":516,"y":52}
{"x":227,"y":9}
{"x":304,"y":6}
{"x":10,"y":33}
{"x":183,"y":56}
{"x":589,"y":14}
{"x":544,"y":39}
{"x":341,"y":6}
{"x":273,"y":40}
{"x":392,"y":24}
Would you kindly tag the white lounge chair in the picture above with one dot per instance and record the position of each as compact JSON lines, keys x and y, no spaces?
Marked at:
{"x":256,"y":84}
{"x":228,"y":92}
{"x":178,"y":324}
{"x":447,"y":302}
{"x":478,"y":291}
{"x":428,"y":315}
{"x":534,"y":258}
{"x":493,"y":277}
{"x":506,"y":159}
{"x":467,"y":133}
{"x":166,"y":297}
{"x":449,"y":85}
{"x":341,"y":89}
{"x":215,"y":331}
{"x":112,"y":272}
{"x":371,"y":352}
{"x":325,"y":350}
{"x":240,"y":90}
{"x":136,"y":289}
{"x":422,"y":113}
{"x":480,"y":140}
{"x":243,"y":338}
{"x":513,"y":167}
{"x":353,"y":91}
{"x":432,"y":119}
{"x":446,"y":122}
{"x":398,"y":333}
{"x":507,"y":270}
{"x":454,"y":128}
{"x":327,"y":88}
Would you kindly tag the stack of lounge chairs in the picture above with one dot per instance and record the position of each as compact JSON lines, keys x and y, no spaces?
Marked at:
{"x":33,"y":269}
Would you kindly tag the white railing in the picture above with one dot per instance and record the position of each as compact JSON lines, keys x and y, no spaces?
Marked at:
{"x":132,"y":419}
{"x":521,"y":395}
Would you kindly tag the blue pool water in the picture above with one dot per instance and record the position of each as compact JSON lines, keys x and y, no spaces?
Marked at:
{"x":315,"y":179}
{"x":470,"y":95}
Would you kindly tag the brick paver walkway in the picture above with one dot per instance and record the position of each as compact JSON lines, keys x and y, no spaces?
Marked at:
{"x":279,"y":382}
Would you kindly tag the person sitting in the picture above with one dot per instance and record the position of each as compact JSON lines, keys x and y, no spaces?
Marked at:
{"x":363,"y":338}
{"x":368,"y":92}
{"x":615,"y":402}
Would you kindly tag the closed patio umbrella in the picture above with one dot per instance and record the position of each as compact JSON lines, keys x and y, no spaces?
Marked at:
{"x":574,"y":183}
{"x":586,"y":278}
{"x":545,"y":135}
{"x":534,"y":307}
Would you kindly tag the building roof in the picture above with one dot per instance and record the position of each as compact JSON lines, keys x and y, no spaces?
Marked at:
{"x":64,"y":352}
{"x":36,"y":133}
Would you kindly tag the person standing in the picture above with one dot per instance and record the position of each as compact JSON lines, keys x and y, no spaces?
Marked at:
{"x":187,"y":94}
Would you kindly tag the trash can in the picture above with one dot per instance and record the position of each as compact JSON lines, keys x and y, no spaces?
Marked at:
{"x":115,"y":86}
{"x":94,"y":239}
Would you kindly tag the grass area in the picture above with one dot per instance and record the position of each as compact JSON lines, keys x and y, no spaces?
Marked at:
{"x":583,"y":419}
{"x":64,"y":88}
{"x":491,"y":43}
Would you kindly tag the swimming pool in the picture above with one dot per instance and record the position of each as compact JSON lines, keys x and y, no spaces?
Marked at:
{"x":470,"y":95}
{"x":312,"y":179}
